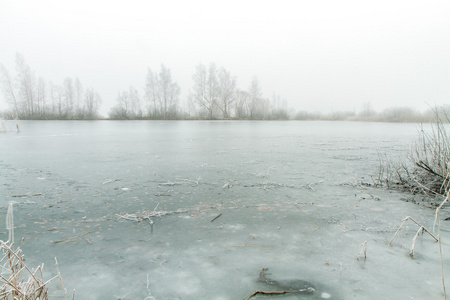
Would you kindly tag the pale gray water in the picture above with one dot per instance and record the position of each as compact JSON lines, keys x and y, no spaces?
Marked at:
{"x":288,"y":192}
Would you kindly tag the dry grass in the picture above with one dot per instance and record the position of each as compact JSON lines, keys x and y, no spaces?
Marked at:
{"x":19,"y":282}
{"x":426,"y":172}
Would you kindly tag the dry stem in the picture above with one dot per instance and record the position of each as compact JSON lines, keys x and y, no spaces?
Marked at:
{"x":440,"y":242}
{"x":276,"y":293}
{"x":420,"y":225}
{"x":146,"y":215}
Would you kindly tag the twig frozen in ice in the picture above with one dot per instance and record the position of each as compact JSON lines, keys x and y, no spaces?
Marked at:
{"x":420,"y":225}
{"x":216,"y":217}
{"x":10,"y":224}
{"x":438,"y":219}
{"x":308,"y":290}
{"x":363,"y":251}
{"x":421,"y":229}
{"x":60,"y":278}
{"x":147,"y":216}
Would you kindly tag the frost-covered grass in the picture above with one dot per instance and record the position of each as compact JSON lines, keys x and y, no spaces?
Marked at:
{"x":426,"y":169}
{"x":427,"y":173}
{"x":19,"y":281}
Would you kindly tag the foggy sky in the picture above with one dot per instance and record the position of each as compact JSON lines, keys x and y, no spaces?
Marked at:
{"x":319,"y":55}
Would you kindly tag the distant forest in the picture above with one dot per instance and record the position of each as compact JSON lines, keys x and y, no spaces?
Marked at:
{"x":213,"y":96}
{"x":32,"y":98}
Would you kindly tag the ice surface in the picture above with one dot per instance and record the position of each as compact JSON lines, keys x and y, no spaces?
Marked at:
{"x":289,"y":195}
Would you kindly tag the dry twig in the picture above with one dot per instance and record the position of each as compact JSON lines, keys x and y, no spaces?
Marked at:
{"x":216,"y":217}
{"x":363,"y":252}
{"x":276,"y":293}
{"x":72,"y":238}
{"x":147,"y":216}
{"x":18,"y":281}
{"x":438,"y":219}
{"x":422,"y":228}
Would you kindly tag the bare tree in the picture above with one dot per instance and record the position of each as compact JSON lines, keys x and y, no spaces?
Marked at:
{"x":69,"y":95}
{"x":206,"y":90}
{"x":255,"y":107}
{"x":151,"y":94}
{"x":79,"y":109}
{"x":121,"y":109}
{"x":226,"y":91}
{"x":92,"y":104}
{"x":56,"y":99}
{"x":41,"y":97}
{"x":170,"y":92}
{"x":242,"y":104}
{"x":34,"y":99}
{"x":279,"y":109}
{"x":135,"y":104}
{"x":9,"y":90}
{"x":26,"y":83}
{"x":367,"y":112}
{"x":128,"y":106}
{"x":161,"y":94}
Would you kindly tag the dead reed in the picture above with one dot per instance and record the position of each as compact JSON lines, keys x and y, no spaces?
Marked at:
{"x":426,"y":170}
{"x":19,"y":282}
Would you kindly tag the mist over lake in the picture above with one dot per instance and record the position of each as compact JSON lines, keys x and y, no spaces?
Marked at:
{"x":293,"y":197}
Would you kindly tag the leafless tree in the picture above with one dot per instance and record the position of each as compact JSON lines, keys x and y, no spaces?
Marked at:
{"x":135,"y":104}
{"x":92,"y":104}
{"x":121,"y":109}
{"x":279,"y":109}
{"x":9,"y":90}
{"x":227,"y":91}
{"x":34,"y":99}
{"x":41,"y":97}
{"x":151,"y":94}
{"x":128,"y":106}
{"x":242,"y":104}
{"x":26,"y":84}
{"x":161,"y":94}
{"x":206,"y":89}
{"x":256,"y":103}
{"x":69,"y":95}
{"x":79,"y":108}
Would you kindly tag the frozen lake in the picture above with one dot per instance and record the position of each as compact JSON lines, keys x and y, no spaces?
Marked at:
{"x":287,"y":197}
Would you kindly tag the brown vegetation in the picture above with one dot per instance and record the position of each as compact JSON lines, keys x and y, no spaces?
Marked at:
{"x":427,"y":170}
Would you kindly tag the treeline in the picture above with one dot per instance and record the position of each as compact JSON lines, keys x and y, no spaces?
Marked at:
{"x":214,"y":95}
{"x":32,"y":98}
{"x":367,"y":114}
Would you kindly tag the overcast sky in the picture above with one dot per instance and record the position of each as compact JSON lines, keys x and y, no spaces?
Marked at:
{"x":319,"y":55}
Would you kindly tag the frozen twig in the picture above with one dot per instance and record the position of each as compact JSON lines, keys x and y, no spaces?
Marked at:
{"x":15,"y":284}
{"x":438,"y":219}
{"x":308,"y":290}
{"x":363,"y":251}
{"x":169,"y":183}
{"x":420,"y":225}
{"x":15,"y":271}
{"x":147,"y":216}
{"x":10,"y":224}
{"x":72,"y":238}
{"x":60,"y":279}
{"x":216,"y":217}
{"x":421,"y":229}
{"x":109,"y":180}
{"x":28,"y":195}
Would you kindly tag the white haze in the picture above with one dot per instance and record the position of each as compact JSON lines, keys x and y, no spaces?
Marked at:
{"x":319,"y":55}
